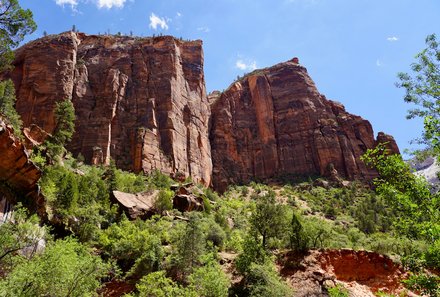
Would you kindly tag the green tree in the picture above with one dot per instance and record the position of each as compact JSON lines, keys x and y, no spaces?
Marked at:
{"x":15,"y":23}
{"x":210,"y":280}
{"x":21,"y":233}
{"x":298,"y":241}
{"x":190,"y":246}
{"x":66,"y":268}
{"x":422,"y":88}
{"x":270,"y":218}
{"x":417,"y":210}
{"x":7,"y":103}
{"x":65,"y":127}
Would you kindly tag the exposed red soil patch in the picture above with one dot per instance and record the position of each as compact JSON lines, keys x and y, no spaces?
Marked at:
{"x":376,"y":271}
{"x":362,"y":273}
{"x":116,"y":288}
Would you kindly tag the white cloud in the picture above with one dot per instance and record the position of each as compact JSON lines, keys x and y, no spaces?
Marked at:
{"x":156,"y":21}
{"x":393,"y":38}
{"x":110,"y":3}
{"x":72,"y":3}
{"x":246,"y":65}
{"x":99,"y":3}
{"x":203,"y":29}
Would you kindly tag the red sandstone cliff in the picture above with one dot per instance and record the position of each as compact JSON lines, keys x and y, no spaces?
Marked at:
{"x":142,"y":101}
{"x":17,"y":171}
{"x":275,"y":122}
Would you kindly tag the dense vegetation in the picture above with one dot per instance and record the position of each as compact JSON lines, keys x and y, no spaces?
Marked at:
{"x":254,"y":222}
{"x":87,"y":241}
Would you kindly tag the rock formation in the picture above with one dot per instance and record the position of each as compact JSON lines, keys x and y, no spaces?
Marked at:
{"x":140,"y":205}
{"x":362,"y":273}
{"x":17,"y":173}
{"x":274,"y":122}
{"x":142,"y":101}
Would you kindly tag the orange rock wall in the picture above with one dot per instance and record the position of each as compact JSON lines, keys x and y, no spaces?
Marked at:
{"x":141,"y":100}
{"x":274,"y":122}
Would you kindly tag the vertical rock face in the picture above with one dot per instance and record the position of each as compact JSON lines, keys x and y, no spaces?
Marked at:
{"x":17,"y":172}
{"x":142,"y":101}
{"x":15,"y":167}
{"x":274,"y":122}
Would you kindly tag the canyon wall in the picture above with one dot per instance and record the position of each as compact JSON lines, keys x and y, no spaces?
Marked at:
{"x":143,"y":103}
{"x":140,"y":101}
{"x":274,"y":122}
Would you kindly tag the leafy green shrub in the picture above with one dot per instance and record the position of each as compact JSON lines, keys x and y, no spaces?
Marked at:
{"x":66,"y":268}
{"x":210,"y":280}
{"x":432,"y":255}
{"x":133,"y":246}
{"x":317,"y":232}
{"x":428,"y":285}
{"x":263,"y":281}
{"x":130,"y":182}
{"x":164,"y":200}
{"x":215,"y":233}
{"x":158,"y":180}
{"x":253,"y":253}
{"x":21,"y":233}
{"x":156,"y":284}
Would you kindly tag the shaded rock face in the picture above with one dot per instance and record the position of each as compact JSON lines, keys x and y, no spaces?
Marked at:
{"x":17,"y":172}
{"x":141,"y":101}
{"x":15,"y":167}
{"x":274,"y":122}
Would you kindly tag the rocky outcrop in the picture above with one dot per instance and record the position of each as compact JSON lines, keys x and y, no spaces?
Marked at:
{"x":140,"y":205}
{"x":18,"y":175}
{"x":187,"y":198}
{"x":141,"y":101}
{"x":361,"y":273}
{"x":274,"y":122}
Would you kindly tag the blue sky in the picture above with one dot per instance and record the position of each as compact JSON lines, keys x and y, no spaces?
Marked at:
{"x":352,"y":49}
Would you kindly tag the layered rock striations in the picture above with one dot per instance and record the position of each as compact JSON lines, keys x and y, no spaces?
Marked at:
{"x":140,"y":101}
{"x":274,"y":122}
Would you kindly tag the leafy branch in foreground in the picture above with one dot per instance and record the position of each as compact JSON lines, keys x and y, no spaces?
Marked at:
{"x":423,"y":90}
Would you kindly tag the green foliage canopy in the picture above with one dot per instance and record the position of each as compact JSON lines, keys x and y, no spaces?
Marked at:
{"x":15,"y":23}
{"x":423,"y":90}
{"x":7,"y":102}
{"x":66,"y":268}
